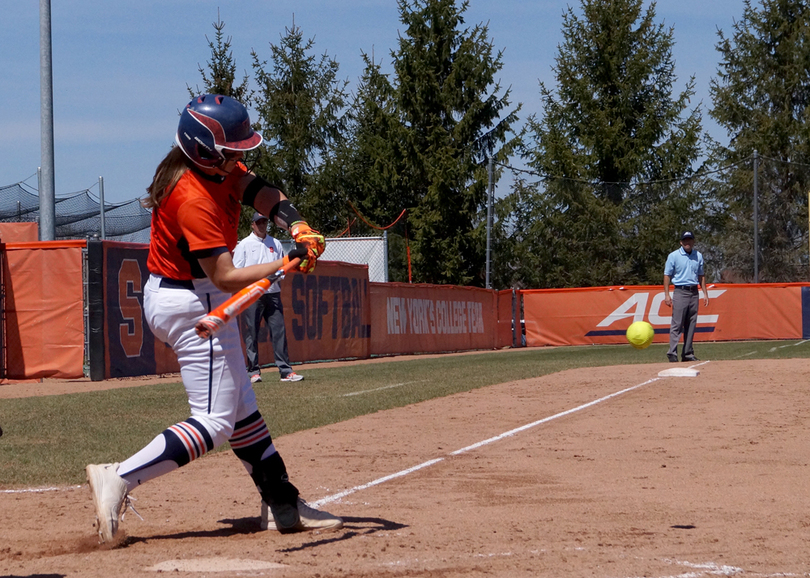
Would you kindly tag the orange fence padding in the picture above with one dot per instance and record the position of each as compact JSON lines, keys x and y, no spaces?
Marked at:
{"x":602,"y":314}
{"x":44,"y":309}
{"x":505,"y":318}
{"x":19,"y":232}
{"x":431,"y":318}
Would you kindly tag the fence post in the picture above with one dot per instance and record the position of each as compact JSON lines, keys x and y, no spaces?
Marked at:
{"x":95,"y":308}
{"x":756,"y":216}
{"x":3,"y":367}
{"x":101,"y":205}
{"x":489,"y":218}
{"x":47,"y":187}
{"x":385,"y":254}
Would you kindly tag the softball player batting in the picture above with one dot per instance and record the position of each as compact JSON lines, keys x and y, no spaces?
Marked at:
{"x":195,"y":198}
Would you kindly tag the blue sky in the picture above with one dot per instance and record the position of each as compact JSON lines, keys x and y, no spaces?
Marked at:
{"x":121,"y":68}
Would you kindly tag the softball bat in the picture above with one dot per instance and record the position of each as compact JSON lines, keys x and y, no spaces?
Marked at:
{"x":216,"y":320}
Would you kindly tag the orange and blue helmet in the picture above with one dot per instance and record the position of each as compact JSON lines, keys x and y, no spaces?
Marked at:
{"x":211,"y":123}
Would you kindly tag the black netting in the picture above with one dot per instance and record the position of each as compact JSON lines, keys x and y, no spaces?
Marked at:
{"x":78,"y":215}
{"x":17,"y":201}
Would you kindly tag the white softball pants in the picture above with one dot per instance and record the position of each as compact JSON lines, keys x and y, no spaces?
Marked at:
{"x":213,"y":370}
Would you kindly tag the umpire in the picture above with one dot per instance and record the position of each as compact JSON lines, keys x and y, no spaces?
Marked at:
{"x":684,"y":270}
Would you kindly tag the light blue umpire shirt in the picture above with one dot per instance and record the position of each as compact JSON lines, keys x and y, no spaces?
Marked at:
{"x":684,"y":268}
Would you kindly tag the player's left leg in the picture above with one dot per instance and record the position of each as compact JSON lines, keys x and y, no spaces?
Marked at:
{"x":252,"y":444}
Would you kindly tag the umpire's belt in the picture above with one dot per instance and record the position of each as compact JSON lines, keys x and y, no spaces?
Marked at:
{"x":165,"y":282}
{"x":687,"y":287}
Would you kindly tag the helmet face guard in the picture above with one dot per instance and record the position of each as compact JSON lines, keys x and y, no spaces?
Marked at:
{"x":211,"y":124}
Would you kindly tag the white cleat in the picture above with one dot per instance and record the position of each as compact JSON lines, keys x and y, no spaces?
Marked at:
{"x":309,"y":519}
{"x":109,"y":492}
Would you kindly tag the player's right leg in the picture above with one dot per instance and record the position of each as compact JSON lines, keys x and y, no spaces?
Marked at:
{"x":212,"y":393}
{"x":676,"y":324}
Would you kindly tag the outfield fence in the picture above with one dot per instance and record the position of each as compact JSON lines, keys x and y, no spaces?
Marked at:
{"x":75,"y":308}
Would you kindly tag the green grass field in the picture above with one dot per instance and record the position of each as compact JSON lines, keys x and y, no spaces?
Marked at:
{"x":48,"y":440}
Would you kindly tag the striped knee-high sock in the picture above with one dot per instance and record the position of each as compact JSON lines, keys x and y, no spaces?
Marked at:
{"x":173,"y":448}
{"x":251,"y":442}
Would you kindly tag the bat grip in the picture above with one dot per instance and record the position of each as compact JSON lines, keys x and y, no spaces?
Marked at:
{"x":286,"y":268}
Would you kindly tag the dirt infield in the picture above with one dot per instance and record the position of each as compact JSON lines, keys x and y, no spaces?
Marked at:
{"x":687,"y":477}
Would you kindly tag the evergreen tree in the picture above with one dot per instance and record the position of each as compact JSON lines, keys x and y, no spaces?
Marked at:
{"x":449,"y":106}
{"x":612,"y":128}
{"x":371,"y":164}
{"x":220,"y":75}
{"x":761,"y":96}
{"x":299,"y":102}
{"x":219,"y":78}
{"x":371,"y":158}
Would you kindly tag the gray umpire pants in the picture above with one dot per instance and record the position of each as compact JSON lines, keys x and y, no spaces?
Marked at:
{"x":685,"y":302}
{"x":269,"y":308}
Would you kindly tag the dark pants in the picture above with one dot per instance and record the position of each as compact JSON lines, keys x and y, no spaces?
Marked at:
{"x":684,"y":320}
{"x":269,"y":308}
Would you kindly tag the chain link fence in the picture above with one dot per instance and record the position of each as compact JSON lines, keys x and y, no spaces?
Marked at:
{"x":360,"y":250}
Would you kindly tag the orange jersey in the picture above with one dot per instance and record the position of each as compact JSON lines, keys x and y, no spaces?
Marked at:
{"x":199,"y":214}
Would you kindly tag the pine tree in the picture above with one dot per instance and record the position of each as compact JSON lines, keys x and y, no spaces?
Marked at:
{"x":761,"y":96}
{"x":371,"y":162}
{"x":219,"y":78}
{"x":299,"y":102}
{"x":450,"y":108}
{"x":612,"y":128}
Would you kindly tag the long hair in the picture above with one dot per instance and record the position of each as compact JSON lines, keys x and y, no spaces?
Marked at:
{"x":168,"y":172}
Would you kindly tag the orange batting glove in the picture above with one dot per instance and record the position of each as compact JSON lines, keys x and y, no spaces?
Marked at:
{"x":307,"y":264}
{"x":311,"y":239}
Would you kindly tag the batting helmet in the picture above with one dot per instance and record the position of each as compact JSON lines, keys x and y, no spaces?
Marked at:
{"x":212,"y":123}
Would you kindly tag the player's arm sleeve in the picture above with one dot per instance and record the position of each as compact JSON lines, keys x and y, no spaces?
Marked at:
{"x":256,"y":192}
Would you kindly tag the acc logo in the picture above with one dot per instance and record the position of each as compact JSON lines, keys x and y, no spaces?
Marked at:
{"x":635,"y":309}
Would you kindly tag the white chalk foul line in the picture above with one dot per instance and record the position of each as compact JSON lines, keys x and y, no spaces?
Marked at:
{"x":548,"y":419}
{"x":344,"y":493}
{"x":38,"y":490}
{"x":381,"y":388}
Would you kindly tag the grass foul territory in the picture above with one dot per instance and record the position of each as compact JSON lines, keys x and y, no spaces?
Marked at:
{"x":48,"y":440}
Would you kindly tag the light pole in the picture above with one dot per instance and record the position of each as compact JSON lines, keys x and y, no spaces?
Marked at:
{"x":490,"y":186}
{"x":47,"y":187}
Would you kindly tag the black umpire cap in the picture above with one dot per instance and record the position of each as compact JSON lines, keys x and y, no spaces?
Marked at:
{"x":687,"y":235}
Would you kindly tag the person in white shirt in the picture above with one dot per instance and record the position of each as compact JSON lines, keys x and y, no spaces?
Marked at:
{"x":256,"y":248}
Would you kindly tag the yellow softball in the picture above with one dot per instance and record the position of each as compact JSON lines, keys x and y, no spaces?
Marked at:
{"x":640,"y":334}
